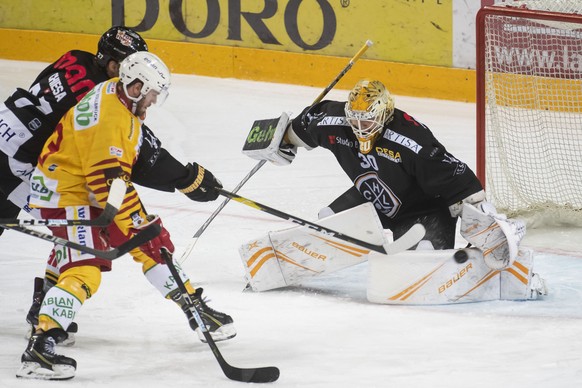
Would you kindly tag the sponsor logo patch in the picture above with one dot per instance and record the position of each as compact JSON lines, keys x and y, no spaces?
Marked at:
{"x":342,"y":141}
{"x":450,"y":159}
{"x":136,"y":219}
{"x":333,"y":120}
{"x":115,"y":151}
{"x":402,"y":140}
{"x":393,"y":156}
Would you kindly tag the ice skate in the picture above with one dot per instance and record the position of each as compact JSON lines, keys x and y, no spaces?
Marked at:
{"x":219,"y":325}
{"x":39,"y":360}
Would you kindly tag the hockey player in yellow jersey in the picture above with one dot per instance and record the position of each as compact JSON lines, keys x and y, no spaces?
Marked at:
{"x":95,"y":142}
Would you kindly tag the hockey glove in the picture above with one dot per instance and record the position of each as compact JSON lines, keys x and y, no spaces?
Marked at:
{"x":284,"y":155}
{"x":266,"y":141}
{"x":200,"y":185}
{"x":152,"y":248}
{"x":495,"y":234}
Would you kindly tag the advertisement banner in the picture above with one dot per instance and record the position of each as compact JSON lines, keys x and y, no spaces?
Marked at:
{"x":408,"y":31}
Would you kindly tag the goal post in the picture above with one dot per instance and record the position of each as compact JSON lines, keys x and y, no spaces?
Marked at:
{"x":529,"y":110}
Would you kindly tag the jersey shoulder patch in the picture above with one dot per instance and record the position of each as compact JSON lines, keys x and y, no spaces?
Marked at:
{"x":87,"y":111}
{"x":333,"y":120}
{"x":404,"y":141}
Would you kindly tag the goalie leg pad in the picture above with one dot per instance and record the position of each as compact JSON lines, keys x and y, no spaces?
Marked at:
{"x":290,"y":256}
{"x":519,"y":282}
{"x":434,"y":277}
{"x":430,"y":278}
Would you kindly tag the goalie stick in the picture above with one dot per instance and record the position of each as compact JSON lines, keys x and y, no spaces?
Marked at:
{"x":261,"y":163}
{"x":139,"y":239}
{"x":247,"y":375}
{"x":407,"y":240}
{"x":360,"y":52}
{"x":114,"y":201}
{"x":297,"y":220}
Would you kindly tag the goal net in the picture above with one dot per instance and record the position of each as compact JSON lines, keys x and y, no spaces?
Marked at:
{"x":529,"y":108}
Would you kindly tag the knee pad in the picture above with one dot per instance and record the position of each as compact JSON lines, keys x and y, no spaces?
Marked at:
{"x":82,"y":281}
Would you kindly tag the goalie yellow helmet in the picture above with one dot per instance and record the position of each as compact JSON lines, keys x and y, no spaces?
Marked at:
{"x":369,"y":107}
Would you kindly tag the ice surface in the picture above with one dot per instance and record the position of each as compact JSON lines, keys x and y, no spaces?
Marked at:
{"x":322,"y":335}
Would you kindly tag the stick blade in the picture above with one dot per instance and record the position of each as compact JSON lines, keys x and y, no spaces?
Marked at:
{"x":139,"y":239}
{"x":266,"y":374}
{"x":116,"y":193}
{"x":407,"y":240}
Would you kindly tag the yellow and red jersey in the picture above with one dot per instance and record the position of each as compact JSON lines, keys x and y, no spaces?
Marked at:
{"x":96,"y":141}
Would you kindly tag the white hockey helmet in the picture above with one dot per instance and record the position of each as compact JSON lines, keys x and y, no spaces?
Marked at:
{"x":368,"y":108}
{"x":150,"y":70}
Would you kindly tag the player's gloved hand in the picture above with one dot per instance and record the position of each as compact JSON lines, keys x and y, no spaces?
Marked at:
{"x":152,"y":248}
{"x":200,"y":185}
{"x":266,"y":141}
{"x":495,"y":234}
{"x":284,"y":155}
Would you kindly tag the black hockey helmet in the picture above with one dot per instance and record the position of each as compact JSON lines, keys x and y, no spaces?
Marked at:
{"x":117,"y":43}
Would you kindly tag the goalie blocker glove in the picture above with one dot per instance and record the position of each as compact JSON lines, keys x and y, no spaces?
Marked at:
{"x":266,"y":141}
{"x":200,"y":185}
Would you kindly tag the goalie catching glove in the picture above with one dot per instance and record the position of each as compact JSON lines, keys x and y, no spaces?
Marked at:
{"x":200,"y":185}
{"x":496,"y":235}
{"x":266,"y":141}
{"x":152,"y":248}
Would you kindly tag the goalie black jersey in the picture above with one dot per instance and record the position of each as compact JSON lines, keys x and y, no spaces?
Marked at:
{"x":407,"y":173}
{"x":28,"y":117}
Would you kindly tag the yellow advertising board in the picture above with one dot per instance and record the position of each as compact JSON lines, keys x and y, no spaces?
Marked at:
{"x":408,"y":31}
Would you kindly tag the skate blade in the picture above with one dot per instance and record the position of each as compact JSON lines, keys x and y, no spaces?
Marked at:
{"x":70,"y":341}
{"x":223,"y":333}
{"x":33,"y":370}
{"x":28,"y":333}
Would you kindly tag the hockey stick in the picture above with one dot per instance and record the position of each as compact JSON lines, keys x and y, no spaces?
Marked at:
{"x":260,"y":164}
{"x":114,"y":201}
{"x":247,"y":375}
{"x":407,"y":240}
{"x":344,"y":71}
{"x":297,"y":220}
{"x":134,"y":242}
{"x":218,"y":209}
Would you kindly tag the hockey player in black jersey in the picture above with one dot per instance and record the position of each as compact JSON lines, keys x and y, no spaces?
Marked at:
{"x":394,"y":162}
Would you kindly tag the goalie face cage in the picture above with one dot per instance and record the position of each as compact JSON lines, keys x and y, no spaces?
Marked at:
{"x":529,"y":112}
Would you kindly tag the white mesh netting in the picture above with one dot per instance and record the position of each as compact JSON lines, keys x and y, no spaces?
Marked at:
{"x":533,"y":84}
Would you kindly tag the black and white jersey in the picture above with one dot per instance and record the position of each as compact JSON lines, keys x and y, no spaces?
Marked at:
{"x":408,"y":172}
{"x":28,"y":117}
